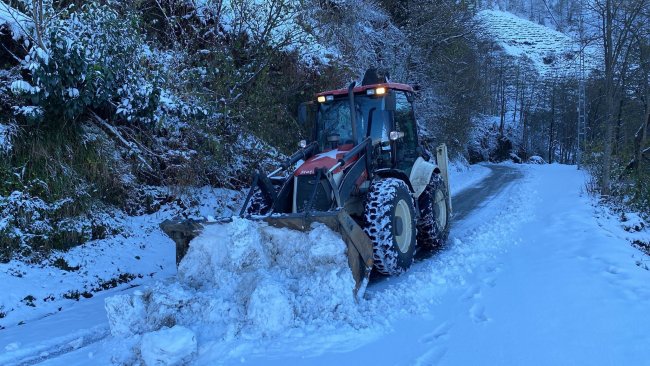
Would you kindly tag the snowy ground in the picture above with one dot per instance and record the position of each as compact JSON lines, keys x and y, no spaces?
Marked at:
{"x":534,"y":275}
{"x":140,"y":253}
{"x":462,"y":176}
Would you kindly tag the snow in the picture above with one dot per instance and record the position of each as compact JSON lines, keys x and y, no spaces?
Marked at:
{"x":169,"y":346}
{"x":536,"y":159}
{"x":73,"y":92}
{"x":571,"y":287}
{"x":140,"y":252}
{"x":6,"y":133}
{"x":553,"y":53}
{"x":21,"y":86}
{"x":125,"y":314}
{"x":17,"y":22}
{"x":463,"y":175}
{"x":261,"y":21}
{"x":269,"y":307}
{"x":245,"y":278}
{"x":539,"y":266}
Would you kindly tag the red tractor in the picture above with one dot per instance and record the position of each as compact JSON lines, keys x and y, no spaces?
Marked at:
{"x":363,"y":173}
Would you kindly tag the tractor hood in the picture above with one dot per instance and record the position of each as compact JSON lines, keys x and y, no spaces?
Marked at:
{"x":326,"y":160}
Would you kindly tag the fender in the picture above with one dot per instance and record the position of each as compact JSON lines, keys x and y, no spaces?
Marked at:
{"x":421,"y":175}
{"x":394,"y":173}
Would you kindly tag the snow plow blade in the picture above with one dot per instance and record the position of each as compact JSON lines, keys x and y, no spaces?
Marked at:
{"x":359,"y":246}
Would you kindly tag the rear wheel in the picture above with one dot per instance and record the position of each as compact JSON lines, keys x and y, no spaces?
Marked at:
{"x":433,"y":226}
{"x":390,"y":223}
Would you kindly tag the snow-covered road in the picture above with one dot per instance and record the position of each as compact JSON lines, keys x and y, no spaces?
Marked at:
{"x":531,"y":275}
{"x":554,"y":286}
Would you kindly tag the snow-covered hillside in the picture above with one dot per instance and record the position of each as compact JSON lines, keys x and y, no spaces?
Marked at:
{"x":554,"y":54}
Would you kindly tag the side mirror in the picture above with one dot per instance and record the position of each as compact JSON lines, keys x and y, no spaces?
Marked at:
{"x":302,"y":114}
{"x":307,"y":118}
{"x":391,"y":101}
{"x":410,"y":97}
{"x":424,"y":153}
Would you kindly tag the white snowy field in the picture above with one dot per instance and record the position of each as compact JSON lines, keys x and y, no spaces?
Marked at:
{"x":535,"y":275}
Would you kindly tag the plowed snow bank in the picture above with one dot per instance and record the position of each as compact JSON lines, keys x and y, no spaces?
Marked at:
{"x":245,"y":279}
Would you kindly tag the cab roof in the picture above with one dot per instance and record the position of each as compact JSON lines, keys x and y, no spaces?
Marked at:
{"x":363,"y":88}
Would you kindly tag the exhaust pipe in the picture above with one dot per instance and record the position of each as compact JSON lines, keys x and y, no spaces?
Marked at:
{"x":353,"y":110}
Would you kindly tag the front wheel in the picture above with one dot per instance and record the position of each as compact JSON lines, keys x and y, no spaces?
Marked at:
{"x":433,"y":226}
{"x":390,"y":223}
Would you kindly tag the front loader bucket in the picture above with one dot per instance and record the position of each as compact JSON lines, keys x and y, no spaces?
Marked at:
{"x":358,"y":243}
{"x":182,"y":231}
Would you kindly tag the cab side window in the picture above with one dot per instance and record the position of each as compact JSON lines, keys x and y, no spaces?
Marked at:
{"x":405,"y":122}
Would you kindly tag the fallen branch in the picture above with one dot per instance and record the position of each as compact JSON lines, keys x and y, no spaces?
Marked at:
{"x":111,"y":129}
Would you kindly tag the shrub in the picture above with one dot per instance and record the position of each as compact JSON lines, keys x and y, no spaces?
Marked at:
{"x":92,"y":57}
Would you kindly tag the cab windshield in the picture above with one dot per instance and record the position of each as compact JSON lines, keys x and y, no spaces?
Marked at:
{"x":335,"y":125}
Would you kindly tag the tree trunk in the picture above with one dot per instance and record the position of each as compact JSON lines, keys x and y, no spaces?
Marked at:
{"x":502,"y":92}
{"x":525,"y":135}
{"x":619,"y":128}
{"x":609,"y":95}
{"x":514,"y":112}
{"x":551,"y":132}
{"x":642,"y":136}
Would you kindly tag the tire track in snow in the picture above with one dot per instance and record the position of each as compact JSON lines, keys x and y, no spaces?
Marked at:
{"x":55,"y":348}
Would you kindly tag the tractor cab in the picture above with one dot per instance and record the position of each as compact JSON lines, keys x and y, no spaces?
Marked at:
{"x":382,"y":111}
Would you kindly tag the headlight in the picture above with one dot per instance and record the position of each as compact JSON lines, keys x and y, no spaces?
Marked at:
{"x":395,"y":135}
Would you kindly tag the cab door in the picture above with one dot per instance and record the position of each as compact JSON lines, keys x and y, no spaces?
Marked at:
{"x":404,"y":121}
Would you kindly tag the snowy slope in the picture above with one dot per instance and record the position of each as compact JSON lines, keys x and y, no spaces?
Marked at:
{"x":554,"y":54}
{"x":140,"y":253}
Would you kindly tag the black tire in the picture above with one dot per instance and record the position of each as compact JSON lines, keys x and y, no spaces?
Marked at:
{"x":258,"y":205}
{"x":390,"y":223}
{"x":433,"y":226}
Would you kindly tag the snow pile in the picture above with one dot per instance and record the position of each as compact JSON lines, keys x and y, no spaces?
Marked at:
{"x":632,"y":222}
{"x":133,"y":249}
{"x":168,"y":346}
{"x":536,"y":159}
{"x":245,"y":279}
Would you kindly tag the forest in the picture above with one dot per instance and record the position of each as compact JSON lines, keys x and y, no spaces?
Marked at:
{"x":114,"y":108}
